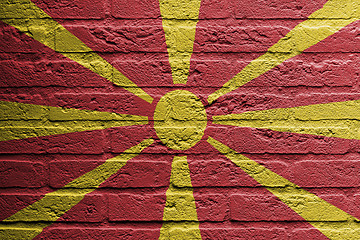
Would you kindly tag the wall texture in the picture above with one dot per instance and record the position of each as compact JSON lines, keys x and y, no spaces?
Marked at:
{"x":179,"y":119}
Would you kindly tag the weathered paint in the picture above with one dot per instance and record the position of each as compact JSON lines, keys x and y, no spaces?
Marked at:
{"x":312,"y":208}
{"x":180,"y":119}
{"x":179,"y":20}
{"x":337,"y":119}
{"x":62,"y":200}
{"x":35,"y":23}
{"x":320,"y":25}
{"x":180,"y":217}
{"x":20,"y":120}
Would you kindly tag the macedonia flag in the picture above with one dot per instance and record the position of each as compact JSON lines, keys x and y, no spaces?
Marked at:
{"x":187,"y":119}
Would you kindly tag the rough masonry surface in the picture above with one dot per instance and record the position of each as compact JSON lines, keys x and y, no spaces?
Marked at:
{"x":179,"y":119}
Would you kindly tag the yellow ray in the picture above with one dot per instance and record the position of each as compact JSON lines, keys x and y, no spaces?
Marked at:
{"x":34,"y":22}
{"x":55,"y":204}
{"x":338,"y":119}
{"x":180,"y":216}
{"x":20,"y":120}
{"x":328,"y":219}
{"x":179,"y":19}
{"x":320,"y":25}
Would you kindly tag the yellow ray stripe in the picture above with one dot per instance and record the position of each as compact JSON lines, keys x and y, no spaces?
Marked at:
{"x":34,"y":22}
{"x":327,"y":218}
{"x":20,"y":120}
{"x":180,"y":216}
{"x":55,"y":204}
{"x":179,"y":19}
{"x":338,"y":119}
{"x":320,"y":25}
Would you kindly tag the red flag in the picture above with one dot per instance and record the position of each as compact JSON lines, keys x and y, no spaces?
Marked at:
{"x":179,"y":119}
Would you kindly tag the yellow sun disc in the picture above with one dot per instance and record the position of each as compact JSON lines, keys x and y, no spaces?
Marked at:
{"x":180,"y":119}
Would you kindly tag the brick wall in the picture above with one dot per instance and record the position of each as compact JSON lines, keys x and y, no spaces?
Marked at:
{"x":69,"y":168}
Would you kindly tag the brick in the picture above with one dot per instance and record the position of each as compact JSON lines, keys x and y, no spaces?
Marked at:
{"x":78,"y":9}
{"x":20,"y":112}
{"x":213,"y":71}
{"x":249,"y":36}
{"x":43,"y":31}
{"x":344,"y":40}
{"x":124,"y":38}
{"x":180,"y":206}
{"x":356,"y":202}
{"x":23,"y":174}
{"x":244,"y":233}
{"x":246,"y":101}
{"x":237,"y":103}
{"x":224,"y":173}
{"x":72,"y":143}
{"x":130,"y":36}
{"x":276,"y":9}
{"x":264,"y":207}
{"x":135,"y":174}
{"x":67,"y":43}
{"x":12,"y":9}
{"x":241,"y":37}
{"x":63,"y":172}
{"x":267,"y":207}
{"x":46,"y":74}
{"x":135,"y":9}
{"x":300,"y":234}
{"x":319,"y":174}
{"x":91,"y":209}
{"x":123,"y":138}
{"x":316,"y":70}
{"x":18,"y":233}
{"x":138,"y":174}
{"x":102,"y":233}
{"x":185,"y":233}
{"x":248,"y":140}
{"x":319,"y":98}
{"x":339,"y":199}
{"x":135,"y":207}
{"x":13,"y":41}
{"x":170,"y":10}
{"x":56,"y":139}
{"x":219,"y":173}
{"x":212,"y":9}
{"x":150,"y":71}
{"x":303,"y":71}
{"x":158,"y":70}
{"x":159,"y":148}
{"x":11,"y":203}
{"x":211,"y":207}
{"x":122,"y":103}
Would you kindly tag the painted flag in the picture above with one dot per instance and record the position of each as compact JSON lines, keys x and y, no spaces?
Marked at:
{"x":188,"y":119}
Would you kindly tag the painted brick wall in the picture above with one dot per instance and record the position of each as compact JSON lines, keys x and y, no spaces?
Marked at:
{"x":188,"y":119}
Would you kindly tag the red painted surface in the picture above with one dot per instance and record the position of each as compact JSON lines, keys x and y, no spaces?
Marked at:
{"x":229,"y":203}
